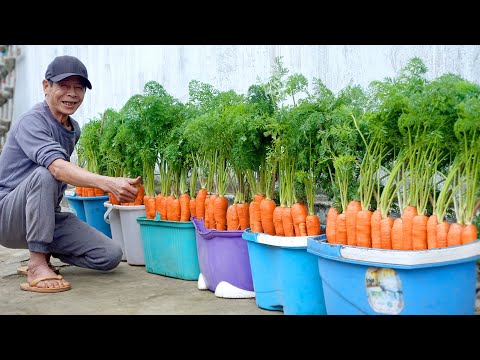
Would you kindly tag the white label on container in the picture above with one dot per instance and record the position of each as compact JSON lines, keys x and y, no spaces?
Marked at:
{"x":384,"y":290}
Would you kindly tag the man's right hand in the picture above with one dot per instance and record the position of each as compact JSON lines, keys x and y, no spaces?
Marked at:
{"x":123,"y":188}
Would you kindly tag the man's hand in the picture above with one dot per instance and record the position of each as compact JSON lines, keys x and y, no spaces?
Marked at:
{"x":123,"y":188}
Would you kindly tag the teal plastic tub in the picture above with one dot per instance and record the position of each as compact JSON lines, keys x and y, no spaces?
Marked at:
{"x":285,"y":276}
{"x":170,"y":248}
{"x":366,"y":281}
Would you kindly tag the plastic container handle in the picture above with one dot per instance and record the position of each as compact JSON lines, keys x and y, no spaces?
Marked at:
{"x":106,"y":216}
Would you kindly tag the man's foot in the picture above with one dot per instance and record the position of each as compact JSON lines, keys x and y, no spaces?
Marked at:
{"x":23,"y":270}
{"x":50,"y":280}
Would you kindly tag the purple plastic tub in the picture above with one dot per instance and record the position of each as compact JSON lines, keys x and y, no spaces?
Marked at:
{"x":224,"y":262}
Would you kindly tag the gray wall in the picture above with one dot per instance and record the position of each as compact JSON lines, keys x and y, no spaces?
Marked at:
{"x":119,"y":71}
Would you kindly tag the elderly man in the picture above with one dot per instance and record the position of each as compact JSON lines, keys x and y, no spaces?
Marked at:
{"x":35,"y":169}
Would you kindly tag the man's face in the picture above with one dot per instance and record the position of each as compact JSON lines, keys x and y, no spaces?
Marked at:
{"x":64,"y":97}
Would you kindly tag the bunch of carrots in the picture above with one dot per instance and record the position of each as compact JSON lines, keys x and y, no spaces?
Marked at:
{"x":88,"y":192}
{"x":279,"y":220}
{"x":410,"y":231}
{"x":138,"y":200}
{"x":169,"y":207}
{"x":219,"y":215}
{"x":261,"y":215}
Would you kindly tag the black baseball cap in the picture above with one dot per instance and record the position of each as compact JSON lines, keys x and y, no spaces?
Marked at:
{"x":64,"y":66}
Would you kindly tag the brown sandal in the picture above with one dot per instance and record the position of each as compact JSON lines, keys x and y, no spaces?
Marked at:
{"x":32,"y":286}
{"x":22,"y":270}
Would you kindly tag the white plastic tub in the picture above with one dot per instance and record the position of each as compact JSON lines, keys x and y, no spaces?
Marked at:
{"x":112,"y":217}
{"x":130,"y":231}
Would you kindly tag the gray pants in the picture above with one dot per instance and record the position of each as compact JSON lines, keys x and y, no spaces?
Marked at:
{"x":31,"y":218}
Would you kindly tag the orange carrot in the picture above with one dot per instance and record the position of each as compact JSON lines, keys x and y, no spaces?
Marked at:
{"x":168,"y":201}
{"x":251,"y":212}
{"x":150,"y":211}
{"x":141,"y":193}
{"x":210,"y":209}
{"x":287,"y":221}
{"x":303,"y":229}
{"x":233,"y":222}
{"x":113,"y":199}
{"x":397,"y":234}
{"x":442,"y":234}
{"x":363,"y":227}
{"x":79,"y":191}
{"x":220,"y":212}
{"x":331,"y":224}
{"x":243,"y":215}
{"x":193,"y":207}
{"x":375,"y":230}
{"x":341,"y":229}
{"x":200,"y":203}
{"x":432,"y":231}
{"x":163,"y":207}
{"x":407,"y":222}
{"x":454,"y":236}
{"x":386,"y":225}
{"x":312,"y":223}
{"x":277,"y":220}
{"x":469,"y":233}
{"x":353,"y":207}
{"x":419,"y":232}
{"x":206,"y":219}
{"x":299,"y":215}
{"x":158,"y":200}
{"x":90,"y":192}
{"x":267,"y":207}
{"x":176,"y":211}
{"x":184,"y":207}
{"x":98,"y":192}
{"x":257,"y":199}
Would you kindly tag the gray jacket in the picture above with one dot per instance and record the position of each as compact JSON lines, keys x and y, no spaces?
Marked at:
{"x":36,"y":139}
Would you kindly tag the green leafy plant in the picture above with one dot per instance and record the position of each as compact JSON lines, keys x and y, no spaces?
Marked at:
{"x":88,"y":147}
{"x":110,"y":146}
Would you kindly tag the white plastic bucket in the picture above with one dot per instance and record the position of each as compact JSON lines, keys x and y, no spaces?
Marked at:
{"x":112,"y":217}
{"x":132,"y":237}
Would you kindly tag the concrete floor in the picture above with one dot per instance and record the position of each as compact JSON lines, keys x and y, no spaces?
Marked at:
{"x":126,"y":290}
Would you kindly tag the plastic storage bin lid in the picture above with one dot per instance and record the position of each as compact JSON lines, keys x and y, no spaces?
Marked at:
{"x":319,"y":246}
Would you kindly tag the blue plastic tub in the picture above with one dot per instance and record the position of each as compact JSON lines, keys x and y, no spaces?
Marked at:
{"x":285,"y":276}
{"x":367,"y":281}
{"x":76,"y":204}
{"x":91,"y":210}
{"x":169,"y":248}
